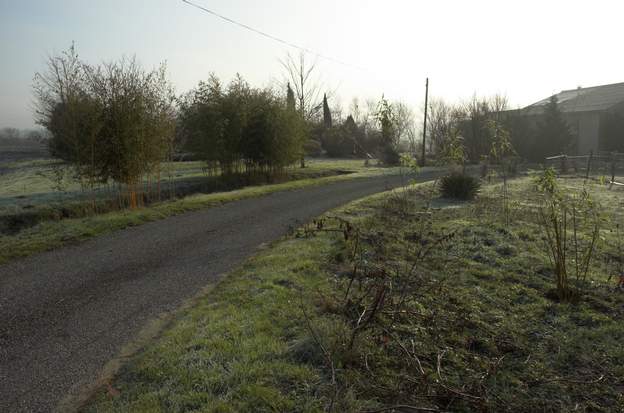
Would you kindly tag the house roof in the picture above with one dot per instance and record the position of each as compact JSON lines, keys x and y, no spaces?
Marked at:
{"x":586,"y":99}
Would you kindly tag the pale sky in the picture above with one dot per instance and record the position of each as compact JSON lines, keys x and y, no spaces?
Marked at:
{"x":525,"y":49}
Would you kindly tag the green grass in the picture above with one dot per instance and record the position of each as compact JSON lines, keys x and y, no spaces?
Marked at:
{"x":51,"y":234}
{"x":487,"y":335}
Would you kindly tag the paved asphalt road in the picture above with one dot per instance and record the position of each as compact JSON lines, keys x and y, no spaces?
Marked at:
{"x":64,"y":314}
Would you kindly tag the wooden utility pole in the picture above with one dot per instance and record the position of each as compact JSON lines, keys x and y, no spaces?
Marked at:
{"x":424,"y":139}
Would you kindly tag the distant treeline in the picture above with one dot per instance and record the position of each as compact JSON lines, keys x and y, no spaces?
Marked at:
{"x":480,"y":121}
{"x":21,"y":136}
{"x":118,"y":122}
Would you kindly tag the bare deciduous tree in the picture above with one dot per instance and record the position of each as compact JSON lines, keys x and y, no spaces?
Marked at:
{"x":442,"y":118}
{"x":498,"y":104}
{"x":369,"y":118}
{"x":355,"y":111}
{"x":337,"y":112}
{"x":477,"y":111}
{"x":308,"y":88}
{"x":404,"y":122}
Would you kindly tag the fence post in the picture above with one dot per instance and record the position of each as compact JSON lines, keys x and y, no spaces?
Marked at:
{"x":589,"y":161}
{"x":564,"y":164}
{"x":612,"y":168}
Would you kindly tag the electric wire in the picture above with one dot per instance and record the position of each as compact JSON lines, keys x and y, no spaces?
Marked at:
{"x":271,"y":37}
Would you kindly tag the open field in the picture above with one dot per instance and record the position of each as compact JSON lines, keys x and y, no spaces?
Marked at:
{"x":19,"y":151}
{"x":30,"y":183}
{"x":479,"y":331}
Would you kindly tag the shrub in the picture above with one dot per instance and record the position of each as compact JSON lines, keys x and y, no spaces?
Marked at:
{"x":313,"y":148}
{"x":337,"y":142}
{"x":459,"y":186}
{"x":571,"y":225}
{"x":390,"y":156}
{"x":240,"y":128}
{"x":114,"y":121}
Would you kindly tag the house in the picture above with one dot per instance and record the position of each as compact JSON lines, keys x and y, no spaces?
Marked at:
{"x":595,"y":116}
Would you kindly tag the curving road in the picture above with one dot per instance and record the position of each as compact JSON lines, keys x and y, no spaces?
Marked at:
{"x":64,"y":314}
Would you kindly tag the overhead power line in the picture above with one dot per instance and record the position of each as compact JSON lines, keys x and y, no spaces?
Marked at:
{"x":270,"y":36}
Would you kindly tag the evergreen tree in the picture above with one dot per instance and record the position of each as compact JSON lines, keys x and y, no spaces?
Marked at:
{"x":350,"y":125}
{"x":327,"y":119}
{"x":351,"y":129}
{"x":389,"y":154}
{"x":553,"y":132}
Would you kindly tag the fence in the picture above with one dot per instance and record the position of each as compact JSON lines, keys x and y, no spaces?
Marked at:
{"x":607,"y":165}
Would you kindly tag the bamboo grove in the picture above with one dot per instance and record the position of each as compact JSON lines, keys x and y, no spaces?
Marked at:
{"x":116,"y":124}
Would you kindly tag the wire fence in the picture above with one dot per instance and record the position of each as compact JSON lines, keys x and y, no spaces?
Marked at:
{"x":607,"y":166}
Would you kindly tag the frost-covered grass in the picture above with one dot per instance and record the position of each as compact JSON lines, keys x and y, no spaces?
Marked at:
{"x":487,"y":337}
{"x":31,"y":183}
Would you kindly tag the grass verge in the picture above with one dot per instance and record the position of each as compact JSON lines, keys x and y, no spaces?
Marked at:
{"x":479,"y":331}
{"x":232,"y":351}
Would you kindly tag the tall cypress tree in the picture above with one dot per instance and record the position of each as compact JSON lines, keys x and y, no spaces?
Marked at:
{"x":327,"y":120}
